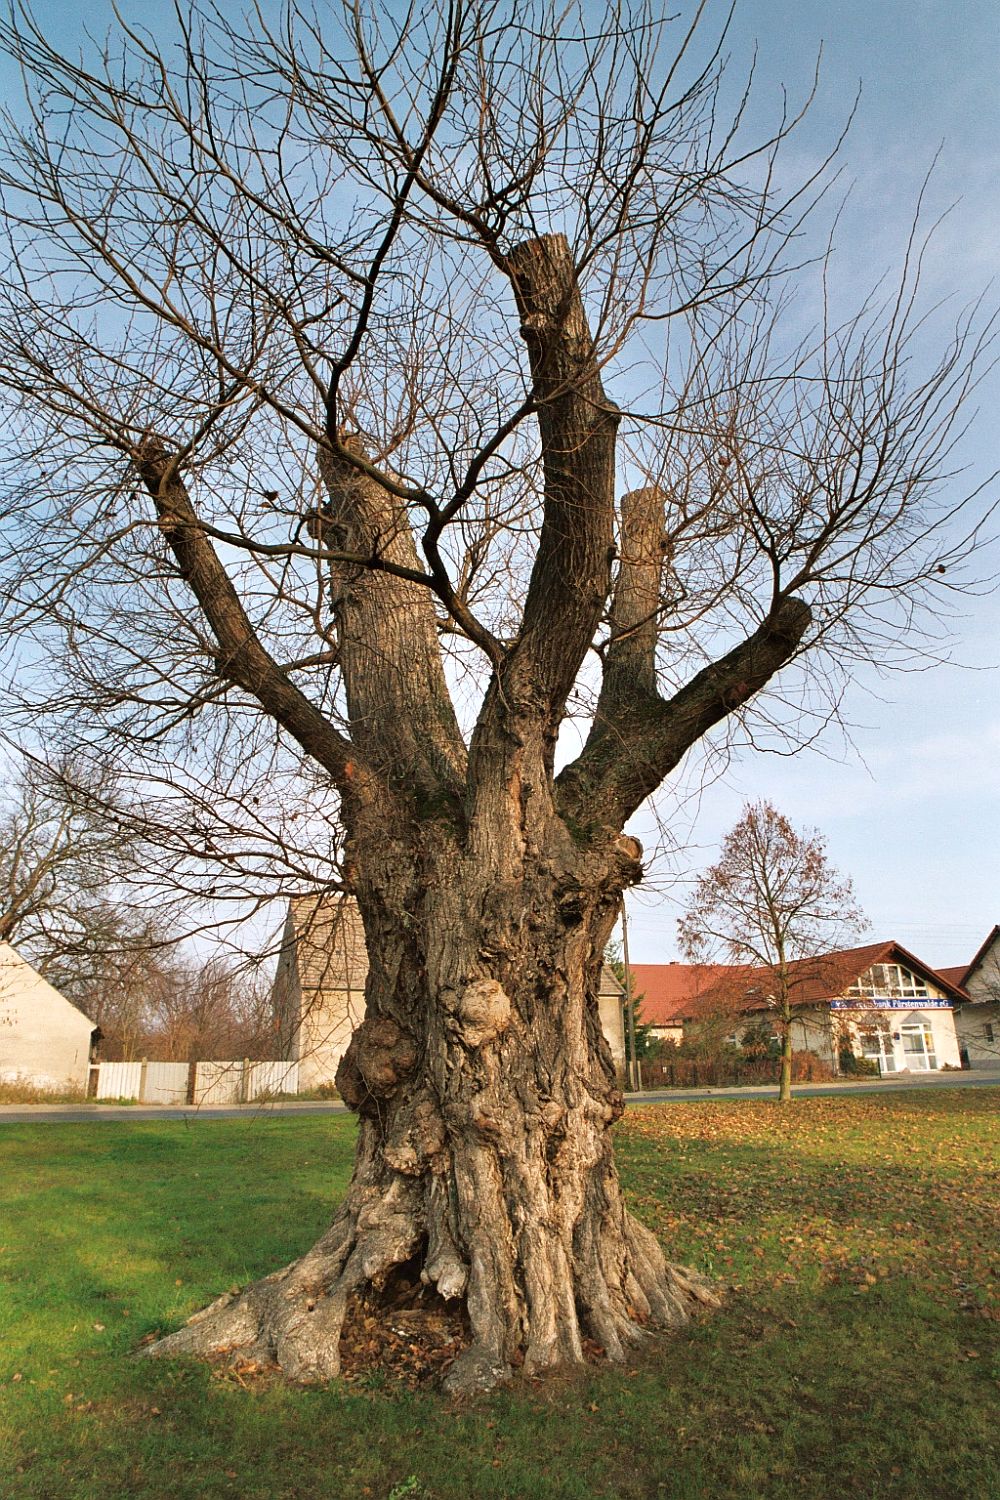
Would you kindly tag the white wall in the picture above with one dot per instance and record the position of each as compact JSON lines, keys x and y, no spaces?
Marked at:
{"x":973,"y":1023}
{"x":984,"y":983}
{"x":44,"y":1040}
{"x":613,"y":1025}
{"x":974,"y":1020}
{"x":670,"y":1032}
{"x":945,"y":1038}
{"x":813,"y":1031}
{"x":942,"y":1027}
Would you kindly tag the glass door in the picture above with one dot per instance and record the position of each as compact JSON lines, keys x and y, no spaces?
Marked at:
{"x":918,"y":1045}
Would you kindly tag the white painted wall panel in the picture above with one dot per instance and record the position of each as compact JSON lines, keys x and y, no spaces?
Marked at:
{"x":119,"y":1080}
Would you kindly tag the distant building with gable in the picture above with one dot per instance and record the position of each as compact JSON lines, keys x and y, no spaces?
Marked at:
{"x":879,"y":1002}
{"x":978,"y":1016}
{"x":45,"y":1040}
{"x":319,"y":987}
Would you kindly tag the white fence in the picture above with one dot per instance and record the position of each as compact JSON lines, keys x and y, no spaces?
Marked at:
{"x":235,"y":1083}
{"x":119,"y":1080}
{"x":164,"y":1083}
{"x":196,"y":1083}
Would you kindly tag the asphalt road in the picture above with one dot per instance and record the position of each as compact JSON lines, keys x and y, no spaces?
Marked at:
{"x":71,"y":1114}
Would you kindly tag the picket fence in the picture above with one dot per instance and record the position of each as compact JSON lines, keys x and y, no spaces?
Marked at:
{"x":195,"y":1083}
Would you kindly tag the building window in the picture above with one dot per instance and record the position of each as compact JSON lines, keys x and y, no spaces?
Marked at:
{"x":988,"y":1032}
{"x":889,"y":982}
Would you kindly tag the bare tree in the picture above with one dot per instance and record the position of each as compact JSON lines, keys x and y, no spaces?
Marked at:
{"x":56,"y":860}
{"x":309,"y":336}
{"x":65,"y":861}
{"x":210,"y":1011}
{"x":122,"y":987}
{"x":773,"y":905}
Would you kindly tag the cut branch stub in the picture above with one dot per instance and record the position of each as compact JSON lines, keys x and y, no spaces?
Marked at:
{"x":630,"y":661}
{"x":578,"y":427}
{"x":639,"y":740}
{"x":628,"y":859}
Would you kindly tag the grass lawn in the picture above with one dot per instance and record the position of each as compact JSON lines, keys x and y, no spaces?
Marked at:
{"x":856,"y":1354}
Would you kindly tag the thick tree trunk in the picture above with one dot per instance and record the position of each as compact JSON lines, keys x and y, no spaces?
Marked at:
{"x":486,"y":1094}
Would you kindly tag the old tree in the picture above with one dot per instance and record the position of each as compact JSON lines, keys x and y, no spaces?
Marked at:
{"x":328,"y":353}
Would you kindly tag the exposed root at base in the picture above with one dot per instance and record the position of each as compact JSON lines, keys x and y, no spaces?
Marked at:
{"x":311,"y":1323}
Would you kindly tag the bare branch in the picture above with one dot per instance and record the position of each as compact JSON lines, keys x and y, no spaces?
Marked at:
{"x":241,"y":658}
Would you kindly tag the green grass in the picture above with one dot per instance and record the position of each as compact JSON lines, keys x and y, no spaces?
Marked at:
{"x":855,"y":1355}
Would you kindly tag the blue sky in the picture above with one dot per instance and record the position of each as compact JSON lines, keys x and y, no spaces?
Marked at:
{"x":911,"y":805}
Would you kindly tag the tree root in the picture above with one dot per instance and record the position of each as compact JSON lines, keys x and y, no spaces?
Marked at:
{"x":620,"y":1288}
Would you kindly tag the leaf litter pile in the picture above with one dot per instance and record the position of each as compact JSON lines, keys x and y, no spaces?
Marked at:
{"x":411,"y":1335}
{"x":408,"y":1332}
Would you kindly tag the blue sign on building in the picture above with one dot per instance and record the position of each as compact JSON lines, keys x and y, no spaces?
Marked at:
{"x":919,"y":1002}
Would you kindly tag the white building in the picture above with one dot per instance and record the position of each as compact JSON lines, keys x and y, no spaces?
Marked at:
{"x":319,"y":987}
{"x":44,"y":1039}
{"x":977,"y":1019}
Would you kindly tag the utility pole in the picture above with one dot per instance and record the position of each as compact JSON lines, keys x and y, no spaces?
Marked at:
{"x":634,"y":1075}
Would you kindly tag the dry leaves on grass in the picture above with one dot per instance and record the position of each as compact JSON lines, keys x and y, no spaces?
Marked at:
{"x":848,"y":1190}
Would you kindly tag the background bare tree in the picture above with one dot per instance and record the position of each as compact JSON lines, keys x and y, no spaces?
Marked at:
{"x":212,"y":1010}
{"x":309,"y":336}
{"x":73,"y":869}
{"x":161,"y":1004}
{"x":772,"y":904}
{"x":66,"y":860}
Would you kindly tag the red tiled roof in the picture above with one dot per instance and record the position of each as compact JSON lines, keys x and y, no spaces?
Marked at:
{"x":668,"y":990}
{"x":955,"y":976}
{"x":675,"y":992}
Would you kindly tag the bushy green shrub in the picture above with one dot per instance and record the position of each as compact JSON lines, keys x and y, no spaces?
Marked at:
{"x":857,"y":1067}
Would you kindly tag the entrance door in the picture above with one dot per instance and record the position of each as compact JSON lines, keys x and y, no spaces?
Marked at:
{"x":918,"y":1045}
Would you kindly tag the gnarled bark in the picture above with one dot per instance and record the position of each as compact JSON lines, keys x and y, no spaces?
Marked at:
{"x":488,"y":892}
{"x":486,"y":1094}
